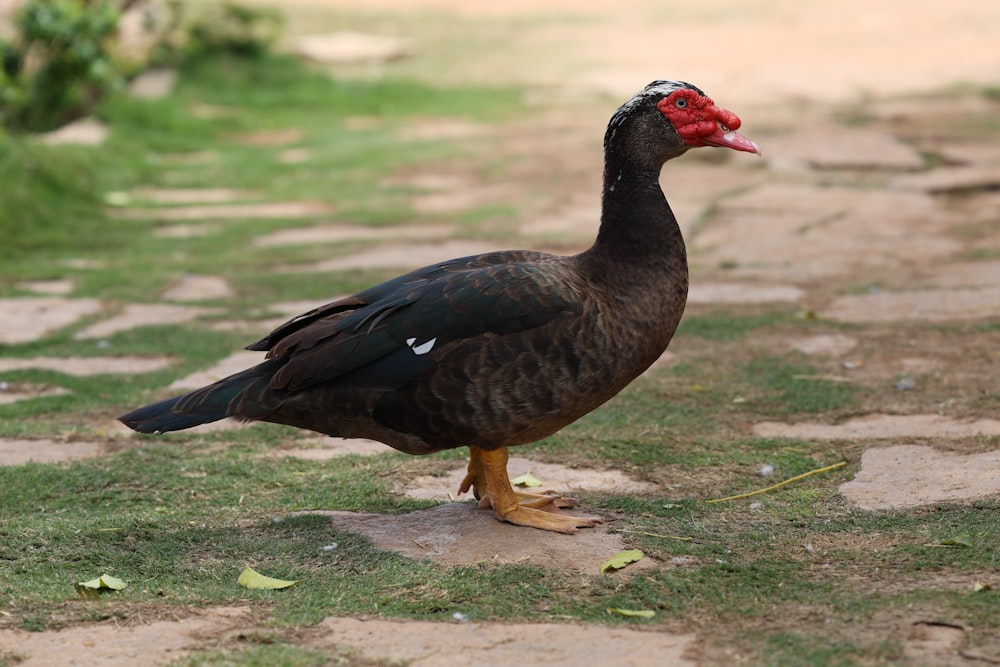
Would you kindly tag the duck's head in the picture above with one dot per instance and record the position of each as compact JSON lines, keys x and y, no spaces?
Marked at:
{"x":679,"y":116}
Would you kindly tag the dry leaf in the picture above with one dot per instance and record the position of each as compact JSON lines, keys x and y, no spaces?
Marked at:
{"x":256,"y":581}
{"x":525,"y":480}
{"x":621,"y":559}
{"x":957,"y":541}
{"x":639,"y":613}
{"x":103,"y":584}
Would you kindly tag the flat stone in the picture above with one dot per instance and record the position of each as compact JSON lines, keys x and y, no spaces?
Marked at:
{"x":327,"y":448}
{"x":13,"y":392}
{"x":143,"y":314}
{"x":962,"y":152}
{"x":270,"y":138}
{"x":198,"y":288}
{"x":213,"y":111}
{"x":56,"y":287}
{"x":31,"y":318}
{"x":881,"y":427}
{"x":951,"y":179}
{"x":965,"y":274}
{"x":295,"y":155}
{"x":153,"y":84}
{"x":433,"y":129}
{"x":908,"y":107}
{"x":234,"y":363}
{"x":839,"y":147}
{"x":83,"y":132}
{"x":303,"y":209}
{"x":175,"y":196}
{"x":552,"y":476}
{"x":15,"y":452}
{"x":113,"y":644}
{"x":185,"y":231}
{"x":417,"y":643}
{"x":341,"y":233}
{"x":84,"y":264}
{"x":189,"y":159}
{"x":428,"y":644}
{"x":461,"y":534}
{"x":793,"y":233}
{"x":910,"y":475}
{"x":928,"y":305}
{"x":742,"y":293}
{"x":455,"y":201}
{"x":401,"y":256}
{"x":84,"y":366}
{"x":578,"y":220}
{"x":348,"y":47}
{"x":830,"y":345}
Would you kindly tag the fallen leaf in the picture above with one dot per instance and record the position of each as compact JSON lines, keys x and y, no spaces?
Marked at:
{"x":525,"y":480}
{"x":957,"y":541}
{"x":980,"y":586}
{"x":621,"y":559}
{"x":103,"y":583}
{"x":639,"y":613}
{"x":256,"y":581}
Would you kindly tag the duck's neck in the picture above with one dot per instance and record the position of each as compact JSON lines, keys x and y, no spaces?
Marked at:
{"x":639,"y":233}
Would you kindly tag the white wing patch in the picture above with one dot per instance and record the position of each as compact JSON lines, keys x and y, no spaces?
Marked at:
{"x":423,"y":348}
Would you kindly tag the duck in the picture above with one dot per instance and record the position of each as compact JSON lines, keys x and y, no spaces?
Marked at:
{"x":495,"y":350}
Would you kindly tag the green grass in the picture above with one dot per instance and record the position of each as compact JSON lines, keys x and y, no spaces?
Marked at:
{"x":179,"y":517}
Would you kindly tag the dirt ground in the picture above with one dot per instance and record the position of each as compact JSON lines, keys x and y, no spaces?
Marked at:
{"x":801,"y":231}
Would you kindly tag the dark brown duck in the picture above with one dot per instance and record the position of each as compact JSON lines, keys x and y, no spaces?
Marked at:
{"x":495,"y":350}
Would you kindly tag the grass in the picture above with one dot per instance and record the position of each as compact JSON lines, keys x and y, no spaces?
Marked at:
{"x":179,"y":517}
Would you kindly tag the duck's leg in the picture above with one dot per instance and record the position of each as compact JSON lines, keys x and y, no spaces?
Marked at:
{"x":475,"y":479}
{"x":490,"y":470}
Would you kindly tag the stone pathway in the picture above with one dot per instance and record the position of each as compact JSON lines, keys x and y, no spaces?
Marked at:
{"x":869,"y":226}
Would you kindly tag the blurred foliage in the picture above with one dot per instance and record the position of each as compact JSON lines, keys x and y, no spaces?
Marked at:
{"x":58,"y":63}
{"x":232,"y":28}
{"x":66,"y":55}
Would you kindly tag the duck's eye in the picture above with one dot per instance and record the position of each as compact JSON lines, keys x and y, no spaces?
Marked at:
{"x":680,"y":103}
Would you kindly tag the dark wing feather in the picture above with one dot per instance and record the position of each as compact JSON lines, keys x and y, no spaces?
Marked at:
{"x":367,"y":340}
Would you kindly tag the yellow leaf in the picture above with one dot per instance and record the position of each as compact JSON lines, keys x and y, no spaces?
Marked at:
{"x":640,"y":613}
{"x":525,"y":480}
{"x":621,"y":559}
{"x":980,"y":586}
{"x":104,"y":583}
{"x":253,"y":580}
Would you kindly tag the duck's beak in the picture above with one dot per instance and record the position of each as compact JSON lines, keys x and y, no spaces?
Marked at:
{"x":723,"y":137}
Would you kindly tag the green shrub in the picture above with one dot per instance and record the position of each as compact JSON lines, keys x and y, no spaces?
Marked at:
{"x":66,"y":55}
{"x":58,"y":64}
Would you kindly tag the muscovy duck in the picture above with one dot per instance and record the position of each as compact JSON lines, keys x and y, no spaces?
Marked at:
{"x":493,"y":350}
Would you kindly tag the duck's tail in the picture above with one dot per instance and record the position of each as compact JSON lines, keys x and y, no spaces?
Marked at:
{"x":201,"y":406}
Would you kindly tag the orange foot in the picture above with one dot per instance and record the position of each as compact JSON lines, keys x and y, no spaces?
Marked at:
{"x":487,"y":477}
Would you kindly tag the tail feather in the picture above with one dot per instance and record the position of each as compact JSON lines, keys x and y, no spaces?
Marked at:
{"x":160,"y":417}
{"x":202,"y":406}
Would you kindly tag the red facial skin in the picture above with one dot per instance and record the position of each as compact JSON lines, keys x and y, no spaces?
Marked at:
{"x":700,"y":123}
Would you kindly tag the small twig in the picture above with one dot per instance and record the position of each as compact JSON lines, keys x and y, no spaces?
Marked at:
{"x":780,"y":484}
{"x":666,"y":537}
{"x":822,"y":378}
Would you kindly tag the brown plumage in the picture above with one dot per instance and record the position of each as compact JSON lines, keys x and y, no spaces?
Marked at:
{"x":495,"y":350}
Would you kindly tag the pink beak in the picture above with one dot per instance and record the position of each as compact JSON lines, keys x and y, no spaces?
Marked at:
{"x":723,"y":137}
